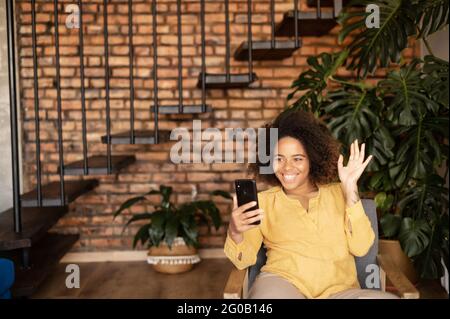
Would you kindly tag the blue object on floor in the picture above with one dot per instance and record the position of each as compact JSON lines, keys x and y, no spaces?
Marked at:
{"x":6,"y":278}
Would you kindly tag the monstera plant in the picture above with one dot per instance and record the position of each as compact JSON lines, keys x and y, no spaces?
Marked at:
{"x":402,"y":118}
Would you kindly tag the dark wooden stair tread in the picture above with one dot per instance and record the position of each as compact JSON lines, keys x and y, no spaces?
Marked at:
{"x":44,"y":256}
{"x":51,"y":193}
{"x":97,"y":165}
{"x":187,"y":109}
{"x":36,"y":221}
{"x":220,"y":81}
{"x":266,"y":50}
{"x":140,"y":137}
{"x":308,"y":24}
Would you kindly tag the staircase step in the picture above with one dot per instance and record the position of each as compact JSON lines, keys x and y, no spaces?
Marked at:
{"x":220,"y":81}
{"x":97,"y":165}
{"x":308,"y":24}
{"x":140,"y":137}
{"x":266,"y":50}
{"x":44,"y":256}
{"x":36,"y":222}
{"x":187,"y":109}
{"x":51,"y":193}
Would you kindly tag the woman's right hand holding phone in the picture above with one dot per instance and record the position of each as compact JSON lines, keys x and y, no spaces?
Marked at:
{"x":242,"y":220}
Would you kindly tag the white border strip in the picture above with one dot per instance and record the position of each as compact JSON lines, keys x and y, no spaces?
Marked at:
{"x":128,"y":255}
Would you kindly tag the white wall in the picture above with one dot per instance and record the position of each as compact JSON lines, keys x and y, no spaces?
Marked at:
{"x":439,"y":44}
{"x":5,"y":137}
{"x":5,"y":150}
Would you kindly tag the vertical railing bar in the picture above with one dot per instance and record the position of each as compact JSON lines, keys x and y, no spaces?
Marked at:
{"x":83,"y":91}
{"x":131,"y":59}
{"x":319,"y":10}
{"x":180,"y":59}
{"x":36,"y":105}
{"x":59,"y":106}
{"x":227,"y":41}
{"x":272,"y":23}
{"x":155,"y":72}
{"x":203,"y":36}
{"x":107,"y":87}
{"x":250,"y":40}
{"x":13,"y":116}
{"x":297,"y":42}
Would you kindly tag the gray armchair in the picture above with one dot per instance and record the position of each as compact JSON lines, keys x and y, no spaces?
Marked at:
{"x":240,"y":281}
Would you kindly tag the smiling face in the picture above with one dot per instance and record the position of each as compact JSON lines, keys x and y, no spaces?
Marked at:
{"x":291,"y":164}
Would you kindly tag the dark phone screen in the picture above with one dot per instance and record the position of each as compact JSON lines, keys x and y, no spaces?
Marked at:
{"x":246,"y":192}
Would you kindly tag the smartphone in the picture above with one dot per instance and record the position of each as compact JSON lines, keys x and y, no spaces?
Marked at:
{"x":246,"y":192}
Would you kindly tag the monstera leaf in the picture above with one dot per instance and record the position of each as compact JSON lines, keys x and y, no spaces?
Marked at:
{"x":410,"y":100}
{"x":433,"y":17}
{"x":354,"y":115}
{"x":373,"y":47}
{"x":436,"y":79}
{"x":314,"y":81}
{"x":426,"y":198}
{"x":420,"y":151}
{"x":414,"y":236}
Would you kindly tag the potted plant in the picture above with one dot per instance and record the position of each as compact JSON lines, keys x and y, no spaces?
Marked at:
{"x":171,"y":231}
{"x":402,"y":118}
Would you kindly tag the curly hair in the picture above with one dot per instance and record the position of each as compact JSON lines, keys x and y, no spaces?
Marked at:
{"x":321,"y":147}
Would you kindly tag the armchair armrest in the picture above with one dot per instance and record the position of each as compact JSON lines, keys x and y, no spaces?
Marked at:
{"x":405,"y":288}
{"x":235,"y":284}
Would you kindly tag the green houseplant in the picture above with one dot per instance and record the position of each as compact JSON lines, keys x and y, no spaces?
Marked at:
{"x":402,"y":118}
{"x":169,"y":224}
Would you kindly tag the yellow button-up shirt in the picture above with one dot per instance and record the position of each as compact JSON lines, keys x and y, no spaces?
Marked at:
{"x":313,"y":250}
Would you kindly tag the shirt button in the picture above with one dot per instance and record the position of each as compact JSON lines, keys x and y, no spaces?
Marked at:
{"x":240,"y":256}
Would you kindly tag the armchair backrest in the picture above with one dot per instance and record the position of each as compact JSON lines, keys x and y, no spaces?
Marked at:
{"x":361,"y":262}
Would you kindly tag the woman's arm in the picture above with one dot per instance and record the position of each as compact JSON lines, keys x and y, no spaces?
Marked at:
{"x":243,"y":237}
{"x":243,"y":254}
{"x":358,"y":229}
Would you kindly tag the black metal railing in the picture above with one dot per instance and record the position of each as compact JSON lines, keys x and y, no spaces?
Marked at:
{"x":180,"y":58}
{"x":36,"y":105}
{"x":131,"y":69}
{"x":59,"y":102}
{"x":155,"y":71}
{"x":83,"y":89}
{"x":13,"y":115}
{"x":107,"y":87}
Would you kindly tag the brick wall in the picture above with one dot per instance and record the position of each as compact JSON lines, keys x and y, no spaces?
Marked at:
{"x":91,"y":214}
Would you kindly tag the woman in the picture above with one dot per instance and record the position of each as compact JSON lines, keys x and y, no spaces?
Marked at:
{"x":311,"y":225}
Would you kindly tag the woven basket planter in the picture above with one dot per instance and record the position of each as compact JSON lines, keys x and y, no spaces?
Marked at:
{"x":179,"y":259}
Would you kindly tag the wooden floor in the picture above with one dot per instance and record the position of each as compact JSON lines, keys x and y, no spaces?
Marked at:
{"x":138,"y":280}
